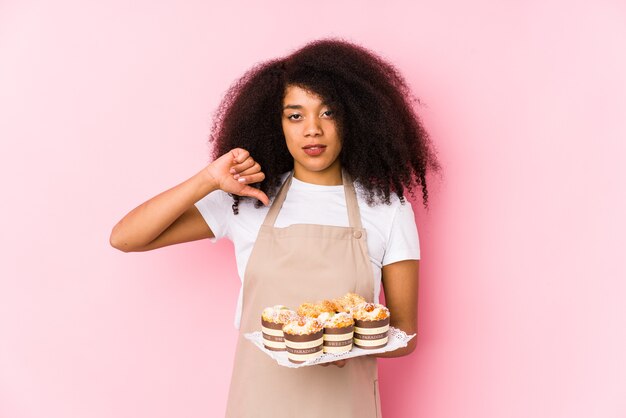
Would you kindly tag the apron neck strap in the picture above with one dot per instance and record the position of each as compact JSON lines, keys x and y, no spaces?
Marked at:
{"x":354,"y":214}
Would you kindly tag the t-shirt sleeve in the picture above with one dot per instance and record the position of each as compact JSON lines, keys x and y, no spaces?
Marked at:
{"x":403,"y":243}
{"x":216,"y":209}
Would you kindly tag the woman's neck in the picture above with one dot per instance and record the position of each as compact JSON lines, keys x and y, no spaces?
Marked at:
{"x":330,"y":176}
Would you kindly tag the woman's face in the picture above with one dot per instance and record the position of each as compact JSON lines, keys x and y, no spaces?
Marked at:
{"x":312,"y":137}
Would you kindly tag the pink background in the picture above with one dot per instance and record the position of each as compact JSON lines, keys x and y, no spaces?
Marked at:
{"x":105,"y":104}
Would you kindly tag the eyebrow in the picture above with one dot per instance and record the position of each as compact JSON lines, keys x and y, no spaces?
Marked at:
{"x":292,"y":106}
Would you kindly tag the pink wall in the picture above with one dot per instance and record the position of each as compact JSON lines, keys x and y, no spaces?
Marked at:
{"x":105,"y":104}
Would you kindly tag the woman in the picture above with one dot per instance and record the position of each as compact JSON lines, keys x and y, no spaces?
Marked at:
{"x":313,"y":154}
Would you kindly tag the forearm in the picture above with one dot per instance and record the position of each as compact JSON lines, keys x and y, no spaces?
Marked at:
{"x":404,"y":351}
{"x":147,"y":221}
{"x":400,"y":282}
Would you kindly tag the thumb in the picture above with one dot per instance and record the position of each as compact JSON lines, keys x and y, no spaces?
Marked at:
{"x":256,"y":193}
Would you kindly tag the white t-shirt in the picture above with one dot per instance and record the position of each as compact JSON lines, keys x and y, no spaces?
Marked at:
{"x":391,"y":231}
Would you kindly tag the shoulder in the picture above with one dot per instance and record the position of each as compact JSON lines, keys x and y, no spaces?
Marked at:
{"x":380,"y":216}
{"x":386,"y":218}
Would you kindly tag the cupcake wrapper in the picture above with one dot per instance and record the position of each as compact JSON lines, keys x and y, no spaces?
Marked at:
{"x":341,"y":343}
{"x":371,"y":345}
{"x":271,"y":325}
{"x":371,"y":324}
{"x":304,"y":351}
{"x":295,"y":338}
{"x":269,"y":347}
{"x":338,"y":350}
{"x":370,"y":335}
{"x":273,"y":343}
{"x":273,"y":337}
{"x":338,"y":340}
{"x":339,"y":330}
{"x":297,"y":359}
{"x":337,"y":347}
{"x":304,"y":347}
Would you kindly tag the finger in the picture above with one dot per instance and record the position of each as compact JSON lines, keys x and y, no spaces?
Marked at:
{"x":256,"y":193}
{"x":340,"y":363}
{"x":250,"y":179}
{"x":239,"y":155}
{"x":245,"y":165}
{"x":252,"y":170}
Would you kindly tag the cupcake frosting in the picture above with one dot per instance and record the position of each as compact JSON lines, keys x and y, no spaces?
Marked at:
{"x":348,"y":301}
{"x":339,"y":320}
{"x":303,"y":326}
{"x":314,"y":310}
{"x":278,"y":314}
{"x":308,"y":309}
{"x":370,"y":312}
{"x":327,"y":306}
{"x":324,"y":316}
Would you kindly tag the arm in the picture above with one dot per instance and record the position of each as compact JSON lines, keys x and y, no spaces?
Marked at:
{"x":166,"y":219}
{"x":400,"y":282}
{"x":171,"y":217}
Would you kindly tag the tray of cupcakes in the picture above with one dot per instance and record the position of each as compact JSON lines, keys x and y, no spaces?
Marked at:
{"x":326,"y":331}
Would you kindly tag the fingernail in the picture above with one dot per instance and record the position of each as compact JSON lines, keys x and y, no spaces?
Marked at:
{"x":236,"y":176}
{"x":232,"y":171}
{"x":241,"y":180}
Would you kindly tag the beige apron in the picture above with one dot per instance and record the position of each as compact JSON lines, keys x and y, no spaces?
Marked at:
{"x":289,"y":266}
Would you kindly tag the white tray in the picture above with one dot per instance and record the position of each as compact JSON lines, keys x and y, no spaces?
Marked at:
{"x":397,"y":339}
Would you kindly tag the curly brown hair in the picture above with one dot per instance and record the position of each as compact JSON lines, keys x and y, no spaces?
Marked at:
{"x":385,"y":147}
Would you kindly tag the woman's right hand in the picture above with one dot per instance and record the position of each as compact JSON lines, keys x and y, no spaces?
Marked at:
{"x":234,"y":171}
{"x":171,"y":217}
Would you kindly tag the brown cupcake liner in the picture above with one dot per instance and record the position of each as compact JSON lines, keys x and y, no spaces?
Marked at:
{"x":274,"y":338}
{"x":372,"y":324}
{"x":362,"y":347}
{"x":302,"y":351}
{"x":338,"y":343}
{"x":304,"y":338}
{"x":274,"y":348}
{"x":271,"y":325}
{"x":370,"y":337}
{"x":341,"y":330}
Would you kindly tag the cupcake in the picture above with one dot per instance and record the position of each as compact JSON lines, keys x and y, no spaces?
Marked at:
{"x":272,"y":321}
{"x":328,"y":306}
{"x":371,"y":325}
{"x":308,"y":309}
{"x":347,"y":302}
{"x":314,"y":310}
{"x":338,"y":333}
{"x":304,"y":339}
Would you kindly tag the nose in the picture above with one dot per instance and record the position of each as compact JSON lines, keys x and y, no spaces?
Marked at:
{"x":313,"y":128}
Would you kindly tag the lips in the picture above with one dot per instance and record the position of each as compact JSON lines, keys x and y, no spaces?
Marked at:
{"x":314,"y":149}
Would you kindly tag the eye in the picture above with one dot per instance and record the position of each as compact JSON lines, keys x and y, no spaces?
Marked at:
{"x":291,"y":116}
{"x":329,"y":112}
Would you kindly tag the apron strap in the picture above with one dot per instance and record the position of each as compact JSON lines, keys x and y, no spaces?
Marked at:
{"x":354,"y":214}
{"x":277,"y":204}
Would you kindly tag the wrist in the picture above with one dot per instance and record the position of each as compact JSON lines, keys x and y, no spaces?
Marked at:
{"x":206,"y":182}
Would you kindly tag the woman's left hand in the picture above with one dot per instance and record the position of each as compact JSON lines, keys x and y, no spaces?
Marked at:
{"x":338,"y":363}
